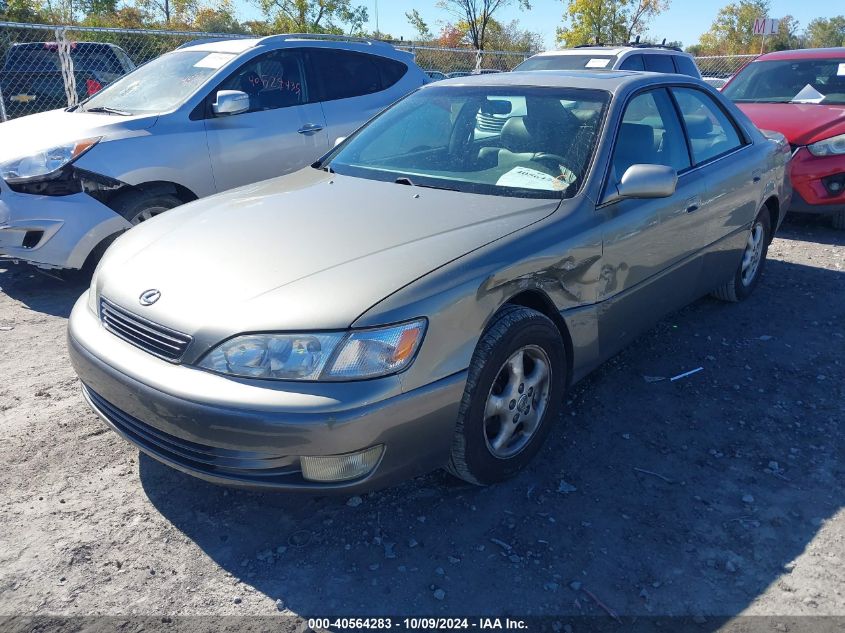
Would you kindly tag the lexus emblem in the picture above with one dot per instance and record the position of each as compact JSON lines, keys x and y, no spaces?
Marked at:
{"x":149,"y":297}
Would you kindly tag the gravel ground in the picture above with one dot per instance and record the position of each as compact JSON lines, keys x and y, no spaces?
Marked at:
{"x":718,"y":494}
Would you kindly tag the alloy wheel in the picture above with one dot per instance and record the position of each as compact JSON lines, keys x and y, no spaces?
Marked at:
{"x":753,"y":254}
{"x":517,"y":401}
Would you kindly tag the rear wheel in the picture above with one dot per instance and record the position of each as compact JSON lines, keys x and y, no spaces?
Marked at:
{"x":513,"y":396}
{"x":747,"y":275}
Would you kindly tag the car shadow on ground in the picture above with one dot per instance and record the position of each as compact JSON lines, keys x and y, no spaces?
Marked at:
{"x":651,"y":497}
{"x":48,"y":292}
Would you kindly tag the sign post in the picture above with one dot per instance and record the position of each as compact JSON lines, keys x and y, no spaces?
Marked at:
{"x":764,"y":27}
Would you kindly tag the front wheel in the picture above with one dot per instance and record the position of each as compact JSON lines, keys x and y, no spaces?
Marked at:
{"x":139,"y":206}
{"x":512,"y":397}
{"x":747,"y":275}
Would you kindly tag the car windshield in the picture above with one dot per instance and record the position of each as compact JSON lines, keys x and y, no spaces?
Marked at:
{"x":790,"y":81}
{"x":567,"y":62}
{"x":159,"y":85}
{"x":507,"y":141}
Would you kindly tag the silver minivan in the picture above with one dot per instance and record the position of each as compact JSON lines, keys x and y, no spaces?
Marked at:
{"x":205,"y":118}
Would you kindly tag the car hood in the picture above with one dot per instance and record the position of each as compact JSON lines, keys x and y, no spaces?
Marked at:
{"x":800,"y":123}
{"x":310,"y":250}
{"x":29,"y":134}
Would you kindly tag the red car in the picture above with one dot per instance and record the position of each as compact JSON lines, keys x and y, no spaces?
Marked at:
{"x":801,"y":94}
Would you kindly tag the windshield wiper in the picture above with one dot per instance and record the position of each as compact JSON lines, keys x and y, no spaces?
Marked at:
{"x":107,"y":110}
{"x":404,"y":180}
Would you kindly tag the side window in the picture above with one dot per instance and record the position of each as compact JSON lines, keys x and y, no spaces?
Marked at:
{"x":711,"y":132}
{"x":345,"y":74}
{"x":632,"y":62}
{"x":273,"y":80}
{"x":685,"y":66}
{"x":659,"y":63}
{"x":650,"y":133}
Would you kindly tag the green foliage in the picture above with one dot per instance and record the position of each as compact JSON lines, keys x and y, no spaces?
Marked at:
{"x":732,"y":32}
{"x":315,"y":16}
{"x":826,"y":32}
{"x":420,"y":26}
{"x":607,"y":21}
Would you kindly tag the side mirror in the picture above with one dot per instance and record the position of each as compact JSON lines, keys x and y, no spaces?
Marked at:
{"x":339,"y":140}
{"x":647,"y":181}
{"x":230,"y":102}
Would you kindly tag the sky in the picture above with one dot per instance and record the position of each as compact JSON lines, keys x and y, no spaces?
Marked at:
{"x":685,"y":20}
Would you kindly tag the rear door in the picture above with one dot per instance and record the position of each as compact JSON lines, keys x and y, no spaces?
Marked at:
{"x":283,"y":130}
{"x":354,"y":87}
{"x":720,"y":151}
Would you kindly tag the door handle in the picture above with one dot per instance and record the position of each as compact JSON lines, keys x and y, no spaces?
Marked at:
{"x":310,"y":128}
{"x":693,"y":204}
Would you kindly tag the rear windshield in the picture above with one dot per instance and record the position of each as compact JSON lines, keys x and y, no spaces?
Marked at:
{"x":567,"y":62}
{"x":790,"y":81}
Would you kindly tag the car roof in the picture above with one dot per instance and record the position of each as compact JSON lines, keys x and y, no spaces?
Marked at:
{"x":241,"y":45}
{"x":614,"y":51}
{"x":805,"y":53}
{"x":608,"y":80}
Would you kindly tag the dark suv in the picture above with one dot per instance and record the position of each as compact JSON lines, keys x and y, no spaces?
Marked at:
{"x":31,"y":79}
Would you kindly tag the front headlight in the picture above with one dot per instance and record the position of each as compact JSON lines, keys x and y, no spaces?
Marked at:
{"x":45,"y":162}
{"x":833,"y":146}
{"x":329,"y":356}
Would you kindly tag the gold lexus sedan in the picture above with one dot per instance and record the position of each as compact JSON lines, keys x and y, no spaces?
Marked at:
{"x":425,"y":294}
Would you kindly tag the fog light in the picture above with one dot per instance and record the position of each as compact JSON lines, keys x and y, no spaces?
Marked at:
{"x":341,"y":467}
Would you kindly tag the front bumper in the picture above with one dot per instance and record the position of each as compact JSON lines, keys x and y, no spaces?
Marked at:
{"x":808,"y":173}
{"x":54,"y":231}
{"x":252,"y":433}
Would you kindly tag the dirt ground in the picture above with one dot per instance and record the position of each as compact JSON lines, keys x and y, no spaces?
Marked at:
{"x":715,"y":495}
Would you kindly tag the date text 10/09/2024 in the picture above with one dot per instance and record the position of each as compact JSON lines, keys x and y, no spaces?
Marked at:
{"x":418,"y":623}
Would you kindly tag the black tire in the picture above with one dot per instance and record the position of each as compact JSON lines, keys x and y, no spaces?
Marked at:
{"x":838,"y":220}
{"x":134,"y":205}
{"x":512,"y":329}
{"x":738,"y":288}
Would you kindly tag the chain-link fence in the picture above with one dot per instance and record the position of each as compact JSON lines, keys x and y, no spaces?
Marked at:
{"x":46,"y":67}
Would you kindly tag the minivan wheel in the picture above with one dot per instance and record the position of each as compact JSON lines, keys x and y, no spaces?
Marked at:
{"x":512,"y":397}
{"x":138,"y":206}
{"x":747,"y":275}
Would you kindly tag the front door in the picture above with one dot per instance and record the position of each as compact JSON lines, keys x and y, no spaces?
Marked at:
{"x":650,"y":264}
{"x":283,"y":130}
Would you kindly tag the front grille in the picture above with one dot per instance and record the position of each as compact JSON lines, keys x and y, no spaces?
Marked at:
{"x":151,"y":337}
{"x":209,"y":459}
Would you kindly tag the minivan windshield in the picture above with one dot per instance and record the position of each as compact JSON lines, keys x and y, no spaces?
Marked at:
{"x":504,"y":140}
{"x":790,"y":81}
{"x":567,"y":62}
{"x":159,"y":85}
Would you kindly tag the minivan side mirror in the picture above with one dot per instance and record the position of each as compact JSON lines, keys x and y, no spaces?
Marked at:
{"x":647,"y":181}
{"x":230,"y":102}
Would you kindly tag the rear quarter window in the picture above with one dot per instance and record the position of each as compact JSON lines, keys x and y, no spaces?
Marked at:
{"x":685,"y":66}
{"x":346,"y":74}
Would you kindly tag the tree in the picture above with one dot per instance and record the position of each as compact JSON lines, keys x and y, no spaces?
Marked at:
{"x":511,"y":37}
{"x":732,"y":32}
{"x":477,"y":14}
{"x":826,"y":32}
{"x":420,"y":26}
{"x":22,"y":11}
{"x":607,"y":21}
{"x":314,"y":16}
